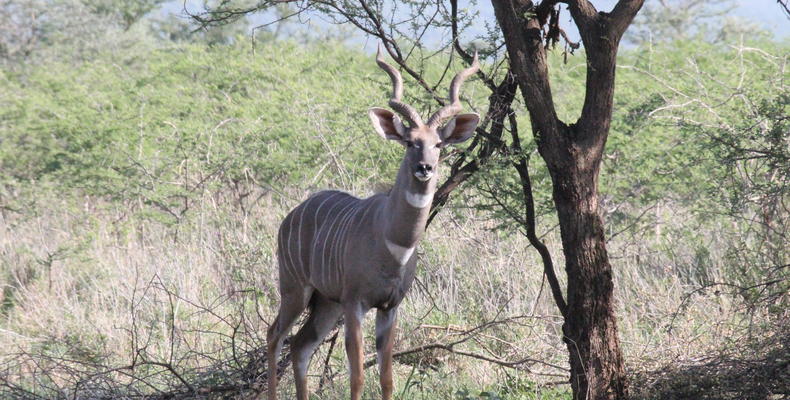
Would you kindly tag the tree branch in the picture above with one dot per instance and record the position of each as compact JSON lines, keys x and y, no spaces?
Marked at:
{"x":457,"y":45}
{"x":584,"y":14}
{"x":461,"y":170}
{"x":784,"y":6}
{"x":467,"y":335}
{"x":527,"y":55}
{"x":621,"y":16}
{"x":522,"y":167}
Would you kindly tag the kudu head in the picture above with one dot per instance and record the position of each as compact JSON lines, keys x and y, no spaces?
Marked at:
{"x":423,"y":140}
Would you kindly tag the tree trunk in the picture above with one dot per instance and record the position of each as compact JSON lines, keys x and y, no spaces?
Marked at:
{"x":590,"y":328}
{"x":573,"y":155}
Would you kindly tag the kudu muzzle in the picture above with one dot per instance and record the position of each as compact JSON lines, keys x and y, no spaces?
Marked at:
{"x":424,"y":172}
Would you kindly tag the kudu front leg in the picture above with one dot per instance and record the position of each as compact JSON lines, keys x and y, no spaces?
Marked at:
{"x":354,"y":348}
{"x":385,"y":339}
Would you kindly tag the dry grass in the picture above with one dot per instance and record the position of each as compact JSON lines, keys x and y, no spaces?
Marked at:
{"x":757,"y":369}
{"x":96,"y":303}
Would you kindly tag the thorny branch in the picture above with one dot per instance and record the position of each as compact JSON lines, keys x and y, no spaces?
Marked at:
{"x":521,"y":164}
{"x":489,"y":141}
{"x":785,"y":7}
{"x":467,"y":335}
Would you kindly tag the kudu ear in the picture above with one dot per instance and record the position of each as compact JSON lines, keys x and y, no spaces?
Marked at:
{"x":387,"y":124}
{"x":459,"y":129}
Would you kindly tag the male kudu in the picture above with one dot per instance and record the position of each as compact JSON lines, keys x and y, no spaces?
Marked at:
{"x":340,"y":255}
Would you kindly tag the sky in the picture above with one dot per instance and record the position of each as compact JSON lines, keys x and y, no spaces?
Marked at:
{"x":767,"y":13}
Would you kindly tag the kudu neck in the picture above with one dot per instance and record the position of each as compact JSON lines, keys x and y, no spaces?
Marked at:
{"x":408,"y":207}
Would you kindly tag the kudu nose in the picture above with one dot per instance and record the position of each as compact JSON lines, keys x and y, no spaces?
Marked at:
{"x":424,"y":172}
{"x":424,"y":168}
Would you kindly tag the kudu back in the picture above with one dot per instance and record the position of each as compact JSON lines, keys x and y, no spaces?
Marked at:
{"x":341,"y":255}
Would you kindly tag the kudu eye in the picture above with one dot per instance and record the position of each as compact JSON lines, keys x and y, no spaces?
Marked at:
{"x":410,"y":144}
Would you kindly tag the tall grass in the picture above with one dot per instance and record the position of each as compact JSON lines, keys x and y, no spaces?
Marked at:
{"x":84,"y":281}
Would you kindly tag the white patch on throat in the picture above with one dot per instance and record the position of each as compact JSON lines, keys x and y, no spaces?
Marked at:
{"x":401,"y":254}
{"x":419,"y":200}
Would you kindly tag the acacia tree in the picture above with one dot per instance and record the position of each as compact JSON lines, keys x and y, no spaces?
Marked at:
{"x":573,"y":153}
{"x":572,"y":150}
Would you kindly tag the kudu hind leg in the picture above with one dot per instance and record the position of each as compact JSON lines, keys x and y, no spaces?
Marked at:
{"x":323,"y":317}
{"x":291,"y":306}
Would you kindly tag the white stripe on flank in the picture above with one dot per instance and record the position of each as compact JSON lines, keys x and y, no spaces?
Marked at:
{"x":419,"y":200}
{"x":361,"y":220}
{"x":287,"y":246}
{"x":401,"y":254}
{"x":354,"y":223}
{"x":286,"y":267}
{"x":325,"y":229}
{"x":327,"y":266}
{"x":341,"y":234}
{"x":299,"y":237}
{"x":297,"y":266}
{"x":317,"y":228}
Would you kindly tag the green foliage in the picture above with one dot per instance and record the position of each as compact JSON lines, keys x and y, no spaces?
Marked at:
{"x":156,"y":128}
{"x":666,"y":97}
{"x":164,"y":126}
{"x":695,"y":166}
{"x":722,"y":127}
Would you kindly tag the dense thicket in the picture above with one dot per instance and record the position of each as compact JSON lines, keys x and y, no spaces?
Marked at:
{"x":163,"y":124}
